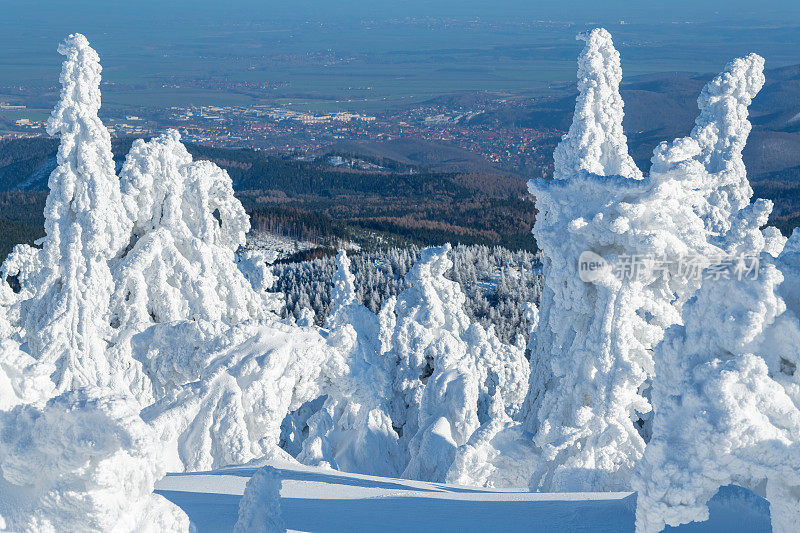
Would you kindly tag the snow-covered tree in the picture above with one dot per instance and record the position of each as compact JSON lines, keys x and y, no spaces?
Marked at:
{"x":187,"y":227}
{"x":450,"y":375}
{"x":353,"y":431}
{"x":591,"y":356}
{"x":82,"y":459}
{"x":595,"y":142}
{"x":85,"y":461}
{"x":726,"y":395}
{"x":591,"y":364}
{"x":86,"y":225}
{"x":260,"y":506}
{"x":726,"y":404}
{"x":180,"y":263}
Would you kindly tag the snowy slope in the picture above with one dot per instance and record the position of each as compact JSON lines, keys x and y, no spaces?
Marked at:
{"x":321,"y":500}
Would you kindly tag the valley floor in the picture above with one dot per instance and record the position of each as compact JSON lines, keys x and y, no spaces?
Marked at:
{"x":322,"y":500}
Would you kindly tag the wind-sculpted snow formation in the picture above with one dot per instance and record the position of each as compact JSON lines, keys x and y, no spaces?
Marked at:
{"x":260,"y":506}
{"x":229,"y":388}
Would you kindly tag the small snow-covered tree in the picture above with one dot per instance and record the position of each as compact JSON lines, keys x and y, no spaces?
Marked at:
{"x":181,"y":261}
{"x":65,"y":321}
{"x":426,"y":313}
{"x":353,"y":431}
{"x":260,"y":506}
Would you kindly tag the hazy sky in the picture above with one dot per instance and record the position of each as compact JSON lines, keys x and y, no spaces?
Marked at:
{"x":64,"y":12}
{"x":145,"y":40}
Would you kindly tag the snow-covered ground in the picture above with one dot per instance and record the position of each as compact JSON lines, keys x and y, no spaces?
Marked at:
{"x":323,"y":500}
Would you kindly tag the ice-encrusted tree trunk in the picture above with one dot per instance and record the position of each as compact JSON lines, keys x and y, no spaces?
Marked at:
{"x":86,"y":225}
{"x":352,"y":431}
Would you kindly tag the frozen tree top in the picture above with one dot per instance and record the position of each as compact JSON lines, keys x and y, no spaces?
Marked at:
{"x":595,"y":141}
{"x":80,"y":91}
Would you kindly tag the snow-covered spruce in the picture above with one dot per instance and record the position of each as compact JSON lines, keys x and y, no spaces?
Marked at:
{"x":591,"y":359}
{"x":65,"y":321}
{"x":450,"y":376}
{"x":726,"y":396}
{"x":187,"y":226}
{"x":260,"y":506}
{"x":353,"y":431}
{"x":595,"y":141}
{"x":180,"y":263}
{"x":84,"y":461}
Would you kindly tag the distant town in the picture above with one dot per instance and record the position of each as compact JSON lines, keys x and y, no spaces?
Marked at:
{"x":287,"y":130}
